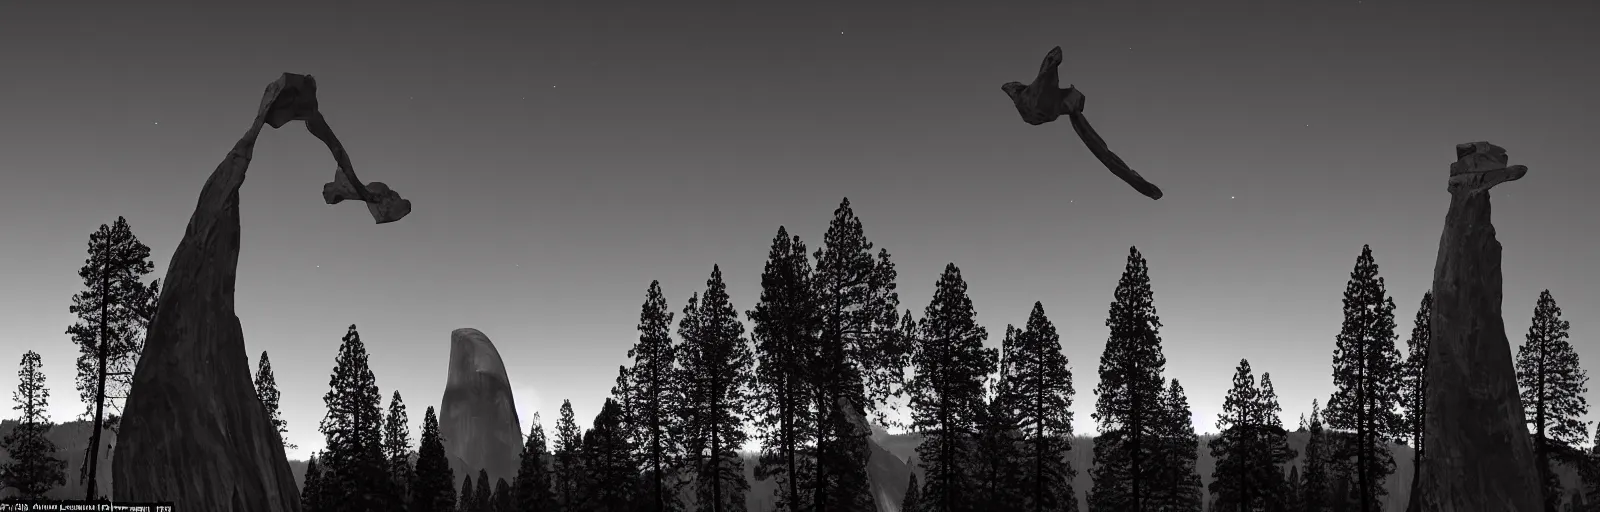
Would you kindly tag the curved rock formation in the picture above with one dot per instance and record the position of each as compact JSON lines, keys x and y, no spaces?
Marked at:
{"x":1478,"y":452}
{"x":478,"y":418}
{"x":193,"y":432}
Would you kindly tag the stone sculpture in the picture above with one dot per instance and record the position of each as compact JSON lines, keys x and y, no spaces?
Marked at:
{"x":1479,"y":454}
{"x":193,"y":432}
{"x":1044,"y":101}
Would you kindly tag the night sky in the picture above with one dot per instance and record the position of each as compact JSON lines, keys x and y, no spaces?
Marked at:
{"x":562,"y":154}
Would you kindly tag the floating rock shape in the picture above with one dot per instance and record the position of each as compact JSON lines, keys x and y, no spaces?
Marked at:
{"x":1478,"y":455}
{"x":478,"y":418}
{"x":193,"y":432}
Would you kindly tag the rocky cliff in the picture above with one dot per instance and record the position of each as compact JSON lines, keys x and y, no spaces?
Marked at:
{"x":478,"y":418}
{"x":193,"y":432}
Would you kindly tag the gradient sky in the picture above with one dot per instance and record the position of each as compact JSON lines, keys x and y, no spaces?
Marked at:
{"x":563,"y":154}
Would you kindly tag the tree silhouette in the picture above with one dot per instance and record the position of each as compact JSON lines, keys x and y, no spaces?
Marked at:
{"x":946,"y":392}
{"x":1315,"y":488}
{"x":113,"y":311}
{"x":655,"y":396}
{"x":1129,"y":407}
{"x":532,"y":486}
{"x":1041,"y":385}
{"x":857,"y":358}
{"x":996,"y":460}
{"x":715,"y":378}
{"x":786,"y":325}
{"x":267,"y":392}
{"x":434,"y":490}
{"x":33,"y":468}
{"x":1414,"y":383}
{"x":355,"y":473}
{"x":502,"y":499}
{"x":1365,"y":377}
{"x":568,"y":463}
{"x":311,"y":487}
{"x":1236,"y":481}
{"x":611,"y":470}
{"x":481,"y":494}
{"x":1176,"y":486}
{"x":1553,"y":385}
{"x":912,"y":501}
{"x":466,"y":503}
{"x":397,"y":450}
{"x":1274,"y":442}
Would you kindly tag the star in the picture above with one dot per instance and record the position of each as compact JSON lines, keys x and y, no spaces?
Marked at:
{"x":158,"y":122}
{"x":1232,"y":197}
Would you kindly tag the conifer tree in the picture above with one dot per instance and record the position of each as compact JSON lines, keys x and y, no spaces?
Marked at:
{"x":310,"y":497}
{"x":33,"y":468}
{"x":716,"y":377}
{"x":397,"y":450}
{"x":1316,"y":487}
{"x":532,"y":486}
{"x":267,"y":392}
{"x":857,"y":358}
{"x":481,"y":495}
{"x":356,"y":473}
{"x":1553,"y":388}
{"x":1129,"y":406}
{"x":1235,"y":481}
{"x":611,"y":471}
{"x":786,"y":325}
{"x":1293,"y":496}
{"x":653,"y":386}
{"x":1365,"y":375}
{"x":996,"y":460}
{"x":912,"y":501}
{"x":568,"y":462}
{"x":1414,"y":384}
{"x":466,"y":503}
{"x":434,"y":490}
{"x":1274,"y":442}
{"x":503,"y":499}
{"x":1042,"y":388}
{"x":947,"y":392}
{"x":1176,"y":486}
{"x":114,"y":310}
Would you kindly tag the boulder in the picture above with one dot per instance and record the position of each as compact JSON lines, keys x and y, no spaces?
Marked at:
{"x":1479,"y":455}
{"x":193,"y":432}
{"x":478,"y":418}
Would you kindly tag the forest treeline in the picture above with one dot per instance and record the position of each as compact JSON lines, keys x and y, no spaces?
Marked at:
{"x":831,"y":346}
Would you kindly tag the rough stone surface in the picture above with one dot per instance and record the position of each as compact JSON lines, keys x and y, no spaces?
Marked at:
{"x":1044,"y":101}
{"x":478,"y":418}
{"x":1479,"y":454}
{"x":193,"y":432}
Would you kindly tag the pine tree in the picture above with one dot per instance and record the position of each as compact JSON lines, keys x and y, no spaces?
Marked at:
{"x":1414,"y":384}
{"x":947,"y":392}
{"x":434,"y":490}
{"x":482,"y":494}
{"x":267,"y":392}
{"x":310,"y":487}
{"x":1293,"y":496}
{"x":1274,"y":442}
{"x":1129,"y":405}
{"x":996,"y":460}
{"x":353,"y":462}
{"x":397,"y":450}
{"x":33,"y":468}
{"x":1042,"y":389}
{"x":1176,"y":486}
{"x":113,"y":311}
{"x":652,"y":385}
{"x":716,"y":377}
{"x":786,"y":324}
{"x":1365,"y":375}
{"x":568,"y":463}
{"x":1316,"y":488}
{"x":1553,"y":385}
{"x":503,"y":499}
{"x":467,"y":501}
{"x":857,"y":358}
{"x":912,"y":501}
{"x":1235,"y":482}
{"x":532,"y":485}
{"x":611,"y":470}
